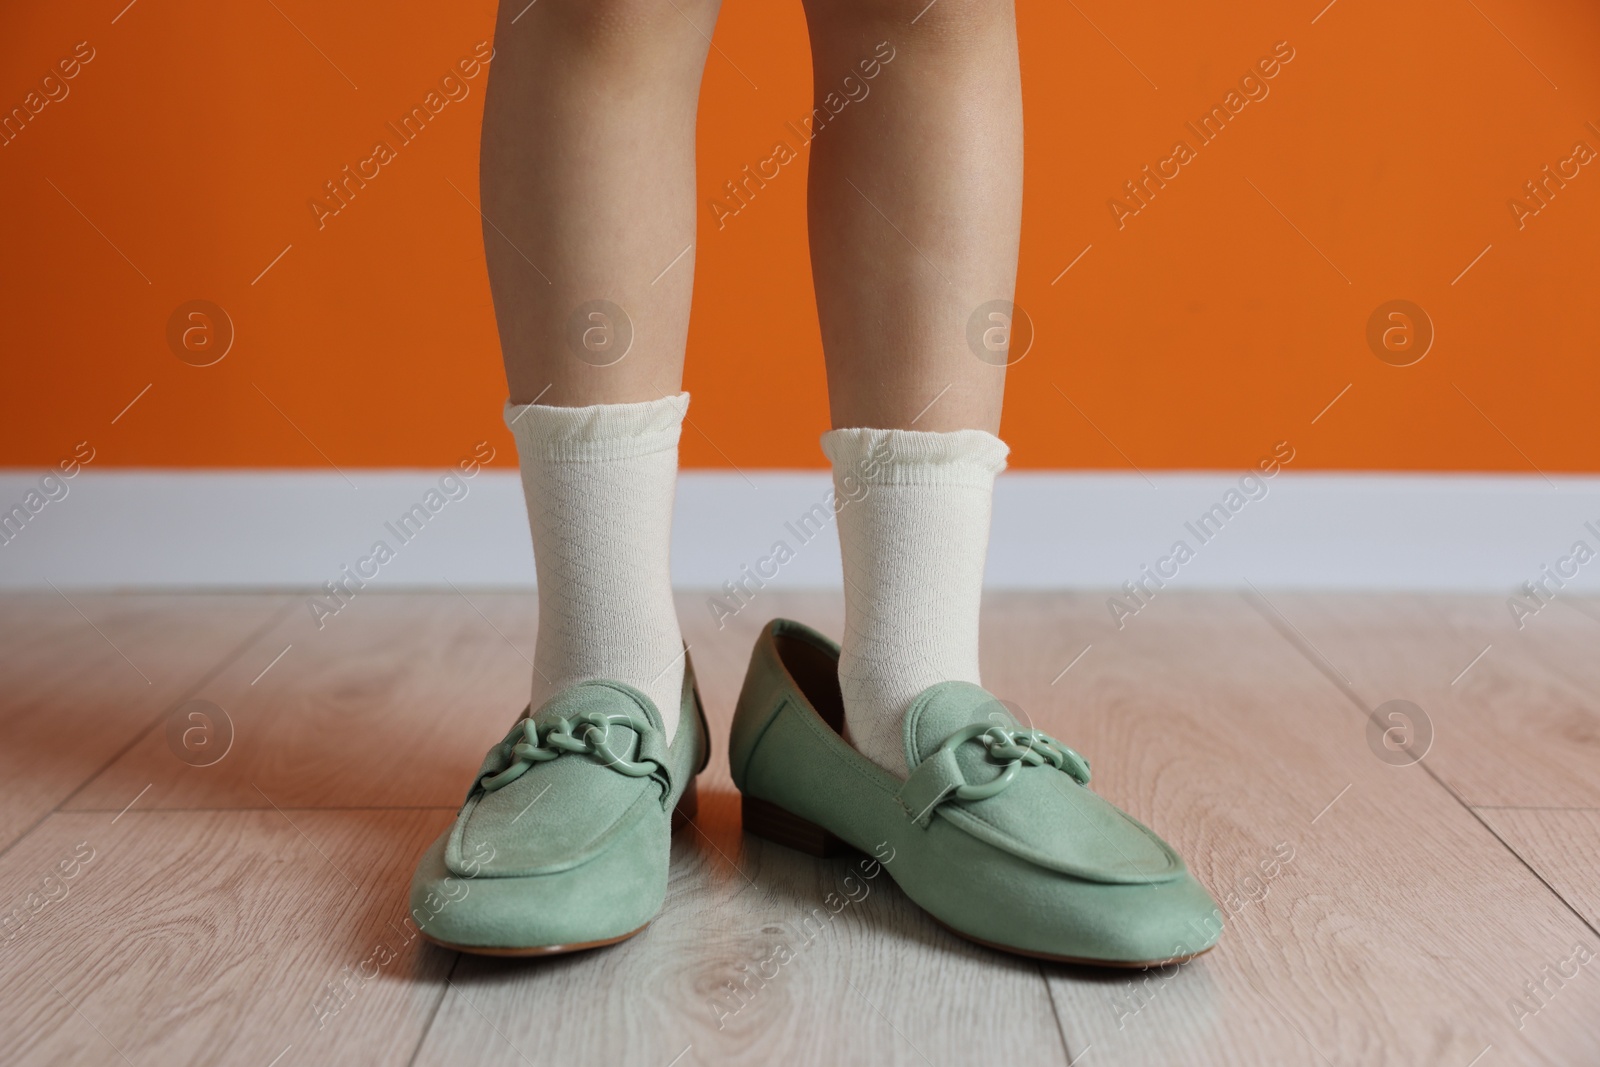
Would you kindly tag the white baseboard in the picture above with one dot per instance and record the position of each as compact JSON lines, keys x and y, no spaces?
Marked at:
{"x":164,"y":529}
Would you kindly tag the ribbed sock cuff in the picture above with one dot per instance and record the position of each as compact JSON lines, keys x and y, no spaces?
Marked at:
{"x":598,"y":432}
{"x":916,"y":457}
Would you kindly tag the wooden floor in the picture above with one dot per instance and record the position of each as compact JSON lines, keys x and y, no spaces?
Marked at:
{"x":250,"y":911}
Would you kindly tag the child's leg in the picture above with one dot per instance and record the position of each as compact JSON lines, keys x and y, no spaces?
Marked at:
{"x":588,"y":198}
{"x":915,"y":206}
{"x":588,"y":190}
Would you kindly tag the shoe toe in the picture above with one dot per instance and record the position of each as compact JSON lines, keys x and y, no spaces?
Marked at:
{"x":1148,"y":924}
{"x":606,"y":898}
{"x":1007,"y":902}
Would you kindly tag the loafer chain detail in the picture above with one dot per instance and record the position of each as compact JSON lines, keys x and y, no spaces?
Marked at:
{"x":590,"y":739}
{"x":939,"y":778}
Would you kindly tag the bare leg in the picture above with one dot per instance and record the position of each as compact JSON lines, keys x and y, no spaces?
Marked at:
{"x":588,"y":192}
{"x":915,"y":206}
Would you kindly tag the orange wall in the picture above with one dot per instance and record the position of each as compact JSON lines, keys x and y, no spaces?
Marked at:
{"x":1196,"y":336}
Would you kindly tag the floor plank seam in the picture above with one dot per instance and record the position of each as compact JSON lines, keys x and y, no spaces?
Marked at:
{"x":1520,"y":857}
{"x":427,"y":1028}
{"x":1055,"y":1010}
{"x":1328,"y":671}
{"x":227,"y":660}
{"x":188,"y":694}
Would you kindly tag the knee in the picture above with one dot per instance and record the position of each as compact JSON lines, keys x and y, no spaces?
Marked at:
{"x":915,"y":23}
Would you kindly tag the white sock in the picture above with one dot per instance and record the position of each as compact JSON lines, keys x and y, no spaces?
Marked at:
{"x":913,"y":530}
{"x":599,"y":483}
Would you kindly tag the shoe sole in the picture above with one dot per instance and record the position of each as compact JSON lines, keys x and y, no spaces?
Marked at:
{"x":531,"y":951}
{"x":688,"y":807}
{"x":768,"y":821}
{"x":1126,"y":965}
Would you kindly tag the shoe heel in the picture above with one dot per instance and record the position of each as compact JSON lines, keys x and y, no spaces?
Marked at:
{"x":688,"y":805}
{"x":767,"y":820}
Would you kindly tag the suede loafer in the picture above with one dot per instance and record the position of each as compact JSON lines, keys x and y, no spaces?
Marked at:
{"x":563,"y":841}
{"x":995,"y":833}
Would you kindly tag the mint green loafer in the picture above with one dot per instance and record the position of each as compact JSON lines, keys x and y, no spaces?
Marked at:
{"x":563,"y":841}
{"x":995,"y":833}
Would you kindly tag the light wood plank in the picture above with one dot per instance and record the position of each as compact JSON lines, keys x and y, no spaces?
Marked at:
{"x":1392,"y":935}
{"x":1399,"y":932}
{"x":75,"y":689}
{"x":881,"y":983}
{"x":391,"y":703}
{"x":1564,"y":847}
{"x":205,"y":938}
{"x":1520,"y":727}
